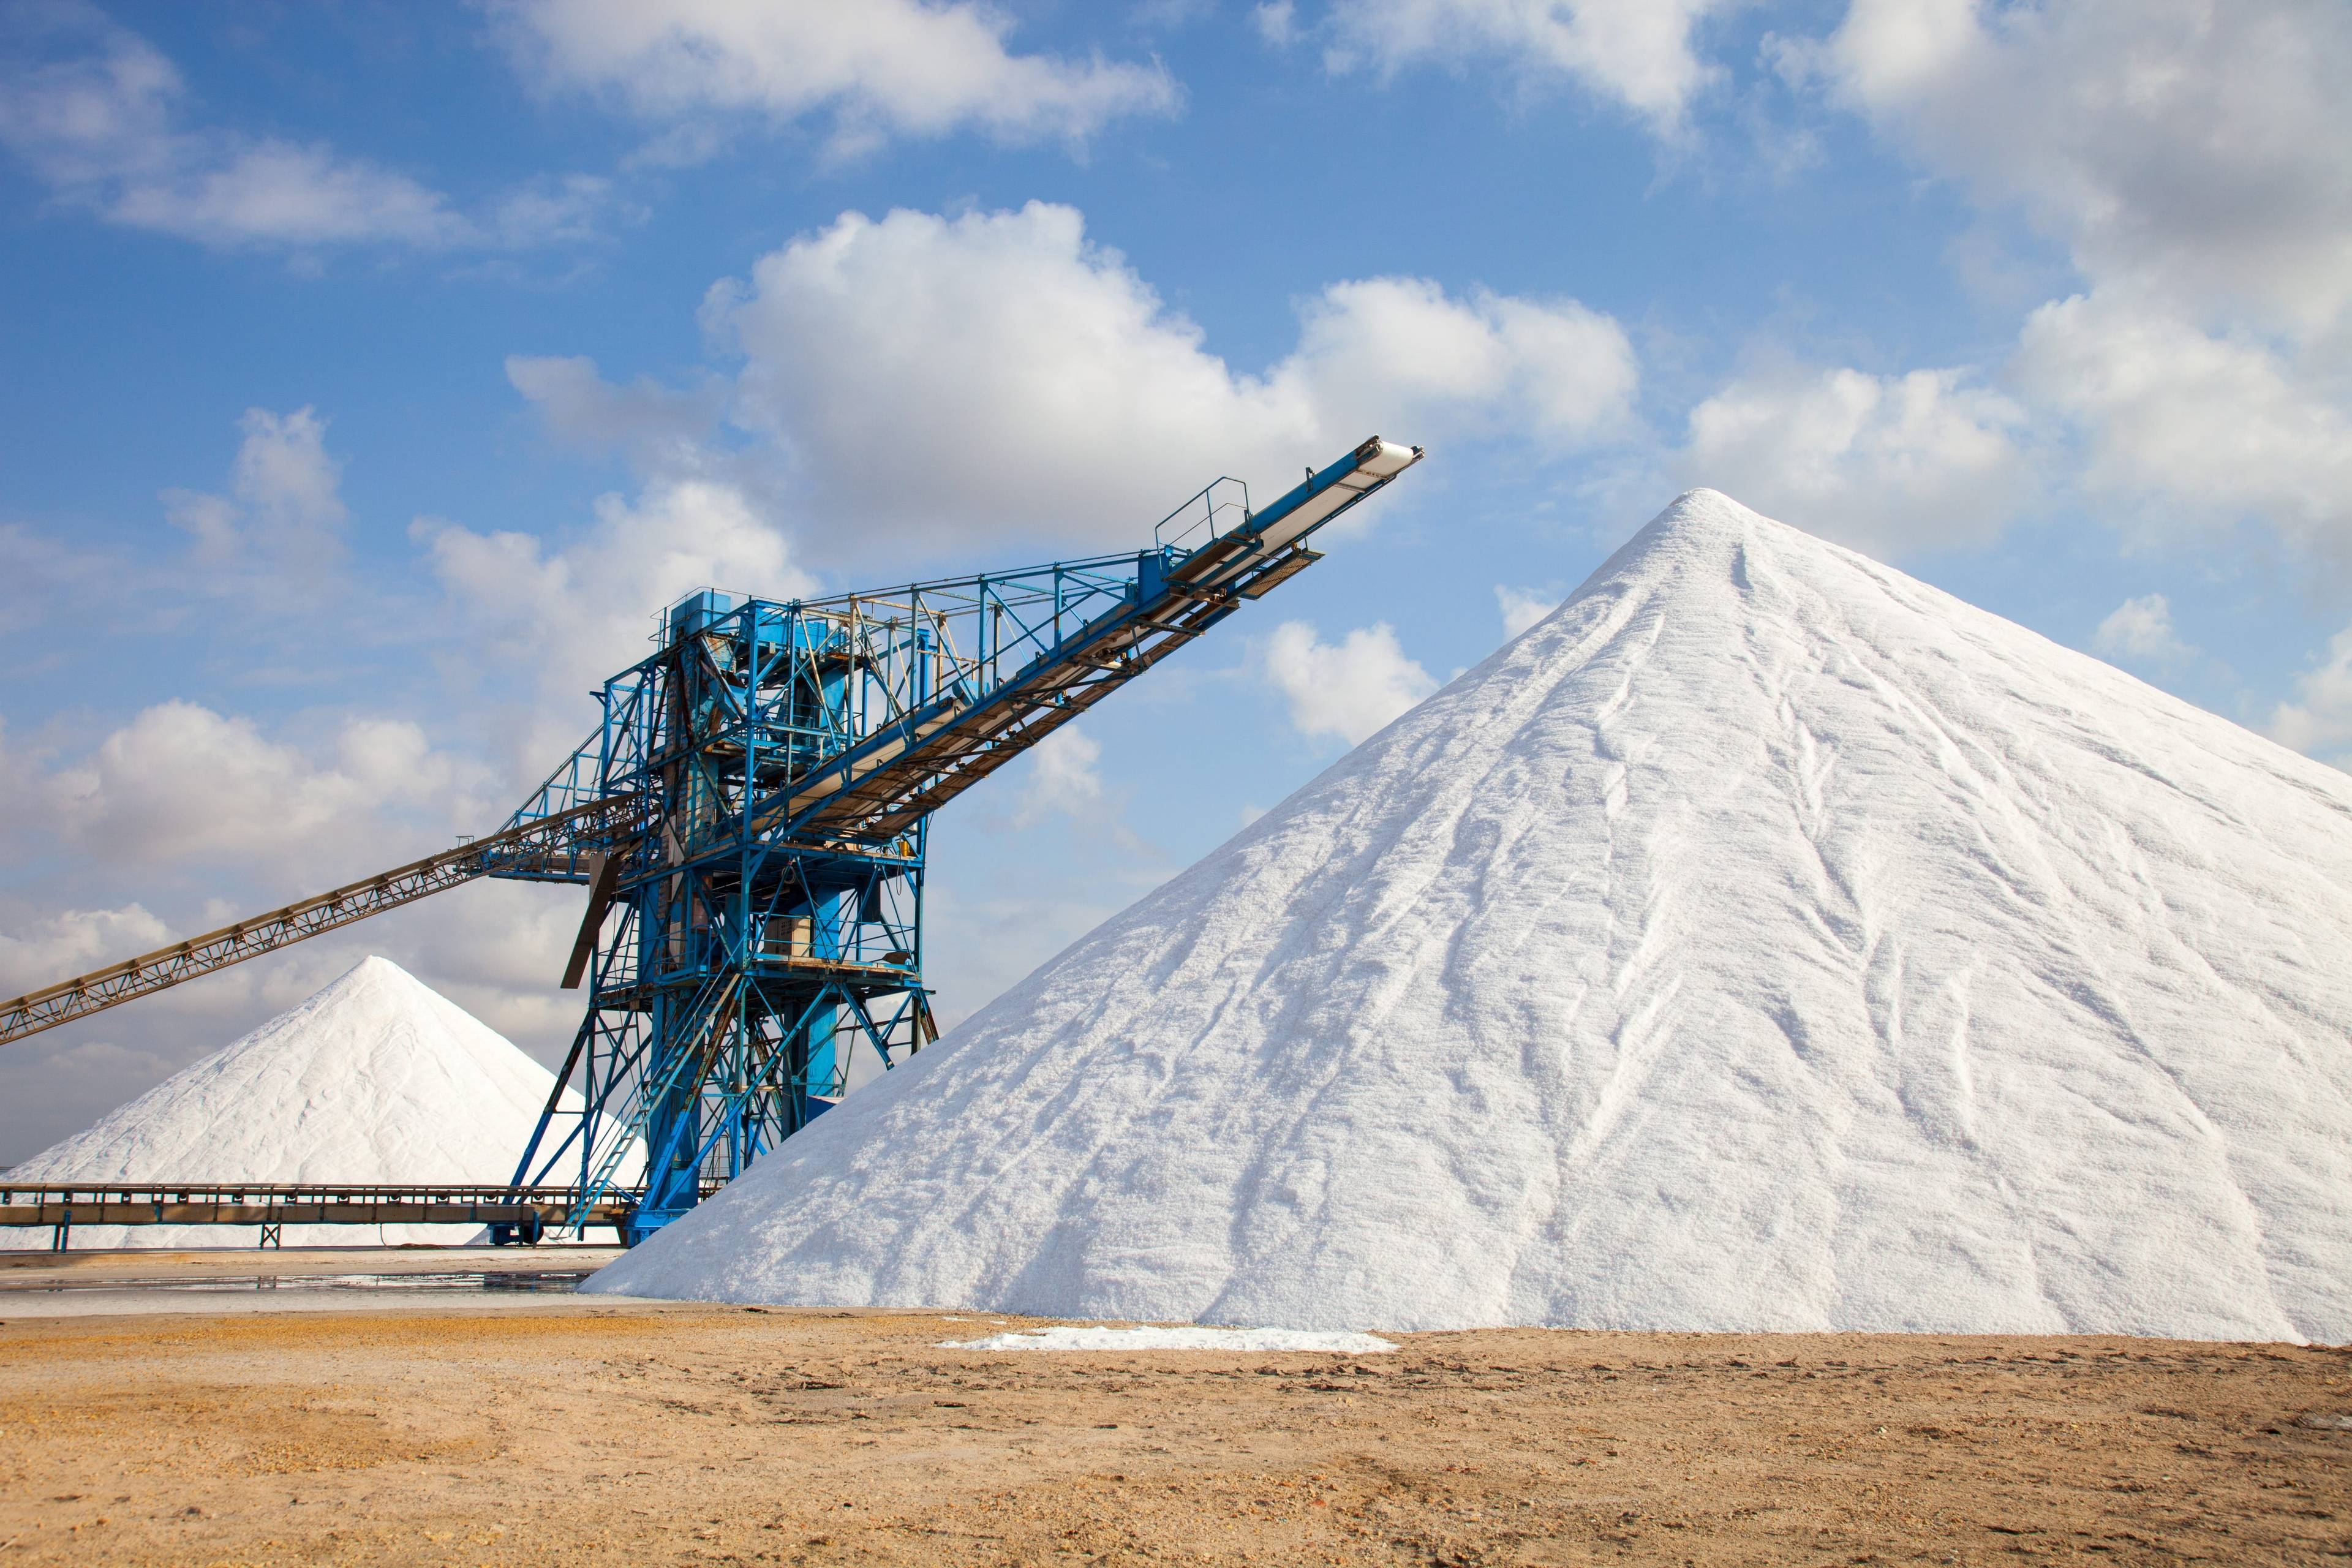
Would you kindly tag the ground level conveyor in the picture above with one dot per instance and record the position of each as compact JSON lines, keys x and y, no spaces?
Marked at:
{"x":271,"y":1206}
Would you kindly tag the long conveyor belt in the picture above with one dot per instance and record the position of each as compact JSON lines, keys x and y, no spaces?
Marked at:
{"x":552,"y":848}
{"x":61,"y":1206}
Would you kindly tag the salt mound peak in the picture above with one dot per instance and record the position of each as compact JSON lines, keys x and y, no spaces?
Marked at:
{"x":1764,"y":941}
{"x":377,"y":1078}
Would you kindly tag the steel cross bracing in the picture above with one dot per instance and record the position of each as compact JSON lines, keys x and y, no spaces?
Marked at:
{"x":752,"y":817}
{"x":554,"y":847}
{"x":759,"y":949}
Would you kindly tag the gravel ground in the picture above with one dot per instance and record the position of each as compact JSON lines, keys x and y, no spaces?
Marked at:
{"x":642,"y":1433}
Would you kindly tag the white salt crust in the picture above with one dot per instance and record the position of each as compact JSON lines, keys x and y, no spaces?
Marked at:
{"x":1764,"y":941}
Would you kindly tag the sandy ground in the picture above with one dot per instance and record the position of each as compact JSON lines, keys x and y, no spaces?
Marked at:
{"x":629,"y":1432}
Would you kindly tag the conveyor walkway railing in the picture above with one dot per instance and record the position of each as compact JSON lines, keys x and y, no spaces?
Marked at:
{"x":529,"y":1211}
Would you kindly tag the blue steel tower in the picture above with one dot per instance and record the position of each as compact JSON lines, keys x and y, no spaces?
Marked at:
{"x":751,"y":815}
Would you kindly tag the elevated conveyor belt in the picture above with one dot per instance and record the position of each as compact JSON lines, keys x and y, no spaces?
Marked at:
{"x":563,"y":846}
{"x":895,"y":777}
{"x":750,"y":818}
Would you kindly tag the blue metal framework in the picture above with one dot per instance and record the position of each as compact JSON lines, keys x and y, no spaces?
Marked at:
{"x":751,"y":817}
{"x":763,"y":939}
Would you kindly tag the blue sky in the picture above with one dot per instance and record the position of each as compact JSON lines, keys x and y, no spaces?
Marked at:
{"x":373,"y":372}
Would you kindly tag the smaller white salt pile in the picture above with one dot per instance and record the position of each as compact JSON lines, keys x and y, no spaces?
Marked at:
{"x":1764,"y":941}
{"x":376,"y":1079}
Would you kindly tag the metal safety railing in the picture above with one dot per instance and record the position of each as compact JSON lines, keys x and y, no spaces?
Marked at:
{"x":528,"y":1212}
{"x":1221,"y":505}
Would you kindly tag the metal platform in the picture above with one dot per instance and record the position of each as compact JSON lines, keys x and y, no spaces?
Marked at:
{"x":526,"y":1213}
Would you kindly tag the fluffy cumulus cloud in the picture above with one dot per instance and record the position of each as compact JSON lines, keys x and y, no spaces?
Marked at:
{"x":284,"y":512}
{"x":580,"y":610}
{"x":997,"y":372}
{"x":2181,"y":426}
{"x":1350,"y":688}
{"x":2190,"y":157}
{"x":878,"y":68}
{"x":98,"y":114}
{"x":2195,"y":148}
{"x":2319,"y":719}
{"x":2140,"y":629}
{"x":1887,"y":464}
{"x":1638,"y":54}
{"x":182,"y":782}
{"x":53,"y":947}
{"x":1402,"y":348}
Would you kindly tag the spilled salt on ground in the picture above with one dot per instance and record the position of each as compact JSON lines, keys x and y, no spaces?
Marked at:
{"x":1763,"y":941}
{"x":377,"y":1079}
{"x":1075,"y":1336}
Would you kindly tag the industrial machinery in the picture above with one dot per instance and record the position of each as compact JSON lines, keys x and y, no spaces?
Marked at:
{"x":749,"y":817}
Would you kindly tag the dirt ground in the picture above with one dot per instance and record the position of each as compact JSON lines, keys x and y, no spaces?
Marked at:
{"x":618,"y":1433}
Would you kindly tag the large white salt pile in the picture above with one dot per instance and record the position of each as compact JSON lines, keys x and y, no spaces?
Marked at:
{"x":1766,"y":940}
{"x":376,"y":1079}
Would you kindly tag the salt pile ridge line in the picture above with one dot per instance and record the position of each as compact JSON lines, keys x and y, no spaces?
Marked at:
{"x":1764,"y":941}
{"x":375,"y":1079}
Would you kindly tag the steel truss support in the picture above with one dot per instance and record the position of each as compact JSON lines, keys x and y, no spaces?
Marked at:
{"x":742,"y":980}
{"x":751,"y":817}
{"x":552,"y":848}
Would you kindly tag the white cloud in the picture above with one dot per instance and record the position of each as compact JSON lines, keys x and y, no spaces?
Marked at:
{"x":275,"y":192}
{"x":2181,"y":426}
{"x":2141,"y":628}
{"x":996,"y":372}
{"x":1388,"y":349}
{"x":664,"y":428}
{"x":1637,"y":53}
{"x":2320,"y":718}
{"x":1522,"y":607}
{"x":577,"y":610}
{"x":583,"y":611}
{"x":182,"y":782}
{"x":283,"y":469}
{"x":100,"y":122}
{"x":1919,"y":461}
{"x":2191,"y":158}
{"x":285,"y":510}
{"x":1063,"y":779}
{"x":2187,"y":147}
{"x":1276,"y":22}
{"x":1350,"y":688}
{"x":57,"y":947}
{"x":879,"y":67}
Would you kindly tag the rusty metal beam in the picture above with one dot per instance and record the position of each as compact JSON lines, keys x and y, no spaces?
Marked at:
{"x":551,"y":848}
